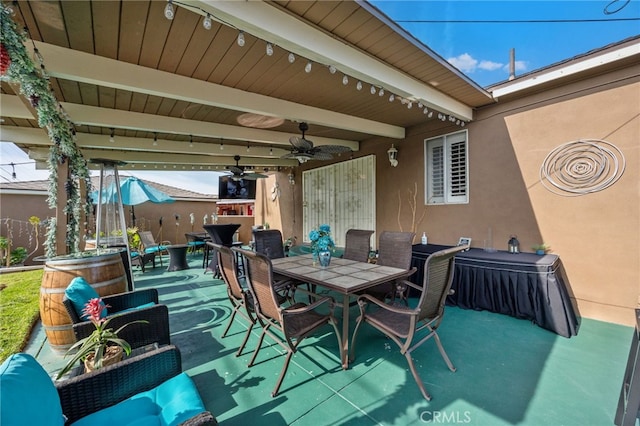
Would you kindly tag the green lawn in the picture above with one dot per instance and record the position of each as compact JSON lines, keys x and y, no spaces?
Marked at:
{"x":18,"y":309}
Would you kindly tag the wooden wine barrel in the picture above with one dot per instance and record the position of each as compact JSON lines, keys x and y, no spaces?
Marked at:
{"x":104,"y":272}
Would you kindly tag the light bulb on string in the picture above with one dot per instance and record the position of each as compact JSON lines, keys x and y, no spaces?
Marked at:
{"x":332,"y":69}
{"x":345,"y":80}
{"x":112,"y":136}
{"x":168,"y":10}
{"x":373,"y":89}
{"x":155,"y":139}
{"x":241,"y":39}
{"x":410,"y":105}
{"x":381,"y":92}
{"x":270,"y":151}
{"x":359,"y":85}
{"x":307,"y":68}
{"x":425,"y":111}
{"x":190,"y":141}
{"x":392,"y":97}
{"x":207,"y":22}
{"x":292,"y":58}
{"x":248,"y":148}
{"x":269,"y":49}
{"x":221,"y":146}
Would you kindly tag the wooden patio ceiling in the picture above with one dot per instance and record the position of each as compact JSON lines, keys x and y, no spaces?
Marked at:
{"x":122,"y":68}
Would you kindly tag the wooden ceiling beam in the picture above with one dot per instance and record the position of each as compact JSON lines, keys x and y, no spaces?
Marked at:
{"x":92,"y":69}
{"x":266,"y":21}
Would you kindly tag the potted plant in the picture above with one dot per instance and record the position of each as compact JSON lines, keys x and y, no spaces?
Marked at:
{"x":322,"y":244}
{"x":102,"y":347}
{"x":542,"y":249}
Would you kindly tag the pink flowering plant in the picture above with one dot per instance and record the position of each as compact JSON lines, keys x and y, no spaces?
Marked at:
{"x":101,"y":338}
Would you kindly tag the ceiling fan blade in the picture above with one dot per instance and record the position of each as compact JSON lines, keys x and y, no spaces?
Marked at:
{"x":236,"y":170}
{"x":254,"y":176}
{"x":300,"y":143}
{"x":333,"y":149}
{"x":319,"y":155}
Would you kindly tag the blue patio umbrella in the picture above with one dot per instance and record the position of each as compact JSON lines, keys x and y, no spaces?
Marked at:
{"x":133,"y":191}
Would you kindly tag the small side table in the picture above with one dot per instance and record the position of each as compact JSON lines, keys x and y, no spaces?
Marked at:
{"x":177,"y":257}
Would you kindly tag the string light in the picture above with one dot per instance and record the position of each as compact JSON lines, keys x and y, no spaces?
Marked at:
{"x":248,"y":148}
{"x":155,"y":139}
{"x":168,"y":10}
{"x":221,"y":146}
{"x":207,"y":22}
{"x":190,"y":141}
{"x":112,"y":137}
{"x":271,"y":151}
{"x":169,"y":13}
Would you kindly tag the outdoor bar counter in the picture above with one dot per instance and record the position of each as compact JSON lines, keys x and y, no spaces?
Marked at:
{"x":523,"y":285}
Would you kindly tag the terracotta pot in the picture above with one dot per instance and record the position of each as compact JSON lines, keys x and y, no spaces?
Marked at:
{"x":112,"y":355}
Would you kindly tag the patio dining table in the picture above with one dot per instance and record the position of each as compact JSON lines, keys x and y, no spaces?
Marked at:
{"x":342,"y":276}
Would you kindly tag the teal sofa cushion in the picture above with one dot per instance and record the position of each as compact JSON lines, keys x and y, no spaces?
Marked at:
{"x":80,"y":292}
{"x":146,"y":305}
{"x":171,"y":403}
{"x":28,"y":394}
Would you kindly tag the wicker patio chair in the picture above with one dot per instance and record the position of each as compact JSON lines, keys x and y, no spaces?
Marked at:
{"x":151,"y":246}
{"x":394,"y":249}
{"x":357,"y":245}
{"x":406,"y":326}
{"x":269,"y":242}
{"x":294,"y":322}
{"x":120,"y":308}
{"x":241,"y":298}
{"x":88,"y":393}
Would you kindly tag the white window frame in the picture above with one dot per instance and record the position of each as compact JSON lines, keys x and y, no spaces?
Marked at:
{"x":446,"y":144}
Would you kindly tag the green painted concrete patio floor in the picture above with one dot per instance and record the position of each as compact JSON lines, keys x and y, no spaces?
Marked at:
{"x":510,"y":372}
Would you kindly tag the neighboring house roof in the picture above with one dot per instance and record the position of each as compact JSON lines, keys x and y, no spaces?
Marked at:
{"x":594,"y":62}
{"x":43,"y":185}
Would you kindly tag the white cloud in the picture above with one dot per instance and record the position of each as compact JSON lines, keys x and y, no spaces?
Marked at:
{"x":520,"y":66}
{"x":464,"y":62}
{"x":490,"y":65}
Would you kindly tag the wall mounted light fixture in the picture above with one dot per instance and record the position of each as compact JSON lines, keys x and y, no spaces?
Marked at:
{"x":393,"y":155}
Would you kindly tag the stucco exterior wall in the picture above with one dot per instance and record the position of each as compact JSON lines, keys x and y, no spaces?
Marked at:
{"x":596,"y":235}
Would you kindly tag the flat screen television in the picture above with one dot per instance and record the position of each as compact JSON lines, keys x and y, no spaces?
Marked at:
{"x":229,"y":189}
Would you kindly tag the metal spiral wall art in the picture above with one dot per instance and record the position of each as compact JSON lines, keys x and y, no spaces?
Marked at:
{"x":582,"y":167}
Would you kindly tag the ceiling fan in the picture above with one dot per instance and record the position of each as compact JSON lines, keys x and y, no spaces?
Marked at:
{"x":303,"y":149}
{"x":239,"y":173}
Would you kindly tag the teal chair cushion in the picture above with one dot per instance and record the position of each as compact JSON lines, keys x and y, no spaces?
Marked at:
{"x":171,"y":403}
{"x":28,"y":394}
{"x":80,"y":292}
{"x":146,"y":305}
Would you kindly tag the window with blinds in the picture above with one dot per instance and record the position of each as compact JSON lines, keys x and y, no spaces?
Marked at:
{"x":446,"y":169}
{"x":342,"y":195}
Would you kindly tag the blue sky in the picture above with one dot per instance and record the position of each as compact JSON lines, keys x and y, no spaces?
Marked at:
{"x":480,"y":50}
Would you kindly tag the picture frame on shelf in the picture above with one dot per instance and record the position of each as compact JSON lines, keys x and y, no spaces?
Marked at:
{"x":465,"y":241}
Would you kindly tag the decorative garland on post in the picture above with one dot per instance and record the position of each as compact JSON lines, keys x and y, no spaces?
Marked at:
{"x":17,"y":66}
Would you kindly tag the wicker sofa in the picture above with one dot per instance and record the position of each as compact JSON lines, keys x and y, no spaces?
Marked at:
{"x":145,"y":389}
